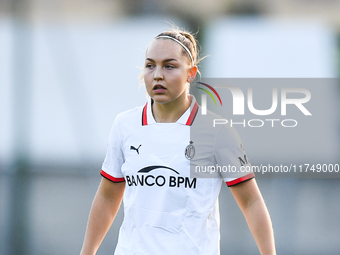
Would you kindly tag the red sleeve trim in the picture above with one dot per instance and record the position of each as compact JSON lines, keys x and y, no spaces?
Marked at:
{"x":241,"y":179}
{"x":111,"y":178}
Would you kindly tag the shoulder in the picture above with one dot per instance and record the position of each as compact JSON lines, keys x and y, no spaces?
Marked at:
{"x":213,"y":122}
{"x":126,"y":123}
{"x":131,"y":116}
{"x":215,"y":127}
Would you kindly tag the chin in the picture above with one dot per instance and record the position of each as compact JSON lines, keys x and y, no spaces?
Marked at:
{"x":161,"y":99}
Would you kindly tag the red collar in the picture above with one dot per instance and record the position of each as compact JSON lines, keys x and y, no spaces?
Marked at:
{"x":186,"y":119}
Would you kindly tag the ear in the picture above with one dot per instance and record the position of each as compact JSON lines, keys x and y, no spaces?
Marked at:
{"x":192,"y":74}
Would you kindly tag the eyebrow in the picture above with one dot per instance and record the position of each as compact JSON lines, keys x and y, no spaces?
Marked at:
{"x":164,"y":61}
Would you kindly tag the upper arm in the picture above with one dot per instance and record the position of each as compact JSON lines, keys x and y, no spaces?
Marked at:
{"x":111,"y":190}
{"x":246,"y":193}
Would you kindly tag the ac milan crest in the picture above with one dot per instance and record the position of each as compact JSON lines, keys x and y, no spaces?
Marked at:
{"x":190,"y":151}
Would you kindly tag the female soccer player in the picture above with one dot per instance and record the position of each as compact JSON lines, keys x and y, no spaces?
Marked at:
{"x":148,"y":163}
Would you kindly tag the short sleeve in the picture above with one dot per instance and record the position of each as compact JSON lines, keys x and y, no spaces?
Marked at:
{"x":230,"y":158}
{"x":114,"y":159}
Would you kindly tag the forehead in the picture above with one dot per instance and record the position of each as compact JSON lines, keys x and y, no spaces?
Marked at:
{"x":164,"y":49}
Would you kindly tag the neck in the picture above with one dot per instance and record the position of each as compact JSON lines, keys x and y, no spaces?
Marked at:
{"x":172,"y":111}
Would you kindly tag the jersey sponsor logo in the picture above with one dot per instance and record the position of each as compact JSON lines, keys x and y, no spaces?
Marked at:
{"x":141,"y":179}
{"x":243,"y":161}
{"x":190,"y":151}
{"x":150,"y":168}
{"x":136,"y":149}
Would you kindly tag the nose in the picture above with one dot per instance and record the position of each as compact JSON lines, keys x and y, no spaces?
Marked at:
{"x":158,"y":75}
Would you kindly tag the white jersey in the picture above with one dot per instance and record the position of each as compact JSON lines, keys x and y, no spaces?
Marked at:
{"x":166,"y":210}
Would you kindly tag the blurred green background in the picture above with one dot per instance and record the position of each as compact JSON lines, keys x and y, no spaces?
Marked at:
{"x":67,"y":68}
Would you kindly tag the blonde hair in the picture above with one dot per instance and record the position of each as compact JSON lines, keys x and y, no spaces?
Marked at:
{"x":188,"y":39}
{"x":185,"y":37}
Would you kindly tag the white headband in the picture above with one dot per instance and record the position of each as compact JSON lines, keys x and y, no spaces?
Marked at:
{"x":185,"y":47}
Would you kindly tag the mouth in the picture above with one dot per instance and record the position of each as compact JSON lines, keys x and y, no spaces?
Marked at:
{"x":158,"y":88}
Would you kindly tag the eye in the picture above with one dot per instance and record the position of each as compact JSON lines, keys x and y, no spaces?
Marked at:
{"x":169,"y":66}
{"x":149,"y":66}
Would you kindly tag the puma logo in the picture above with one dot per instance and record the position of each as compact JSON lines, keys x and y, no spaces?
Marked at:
{"x":133,"y":148}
